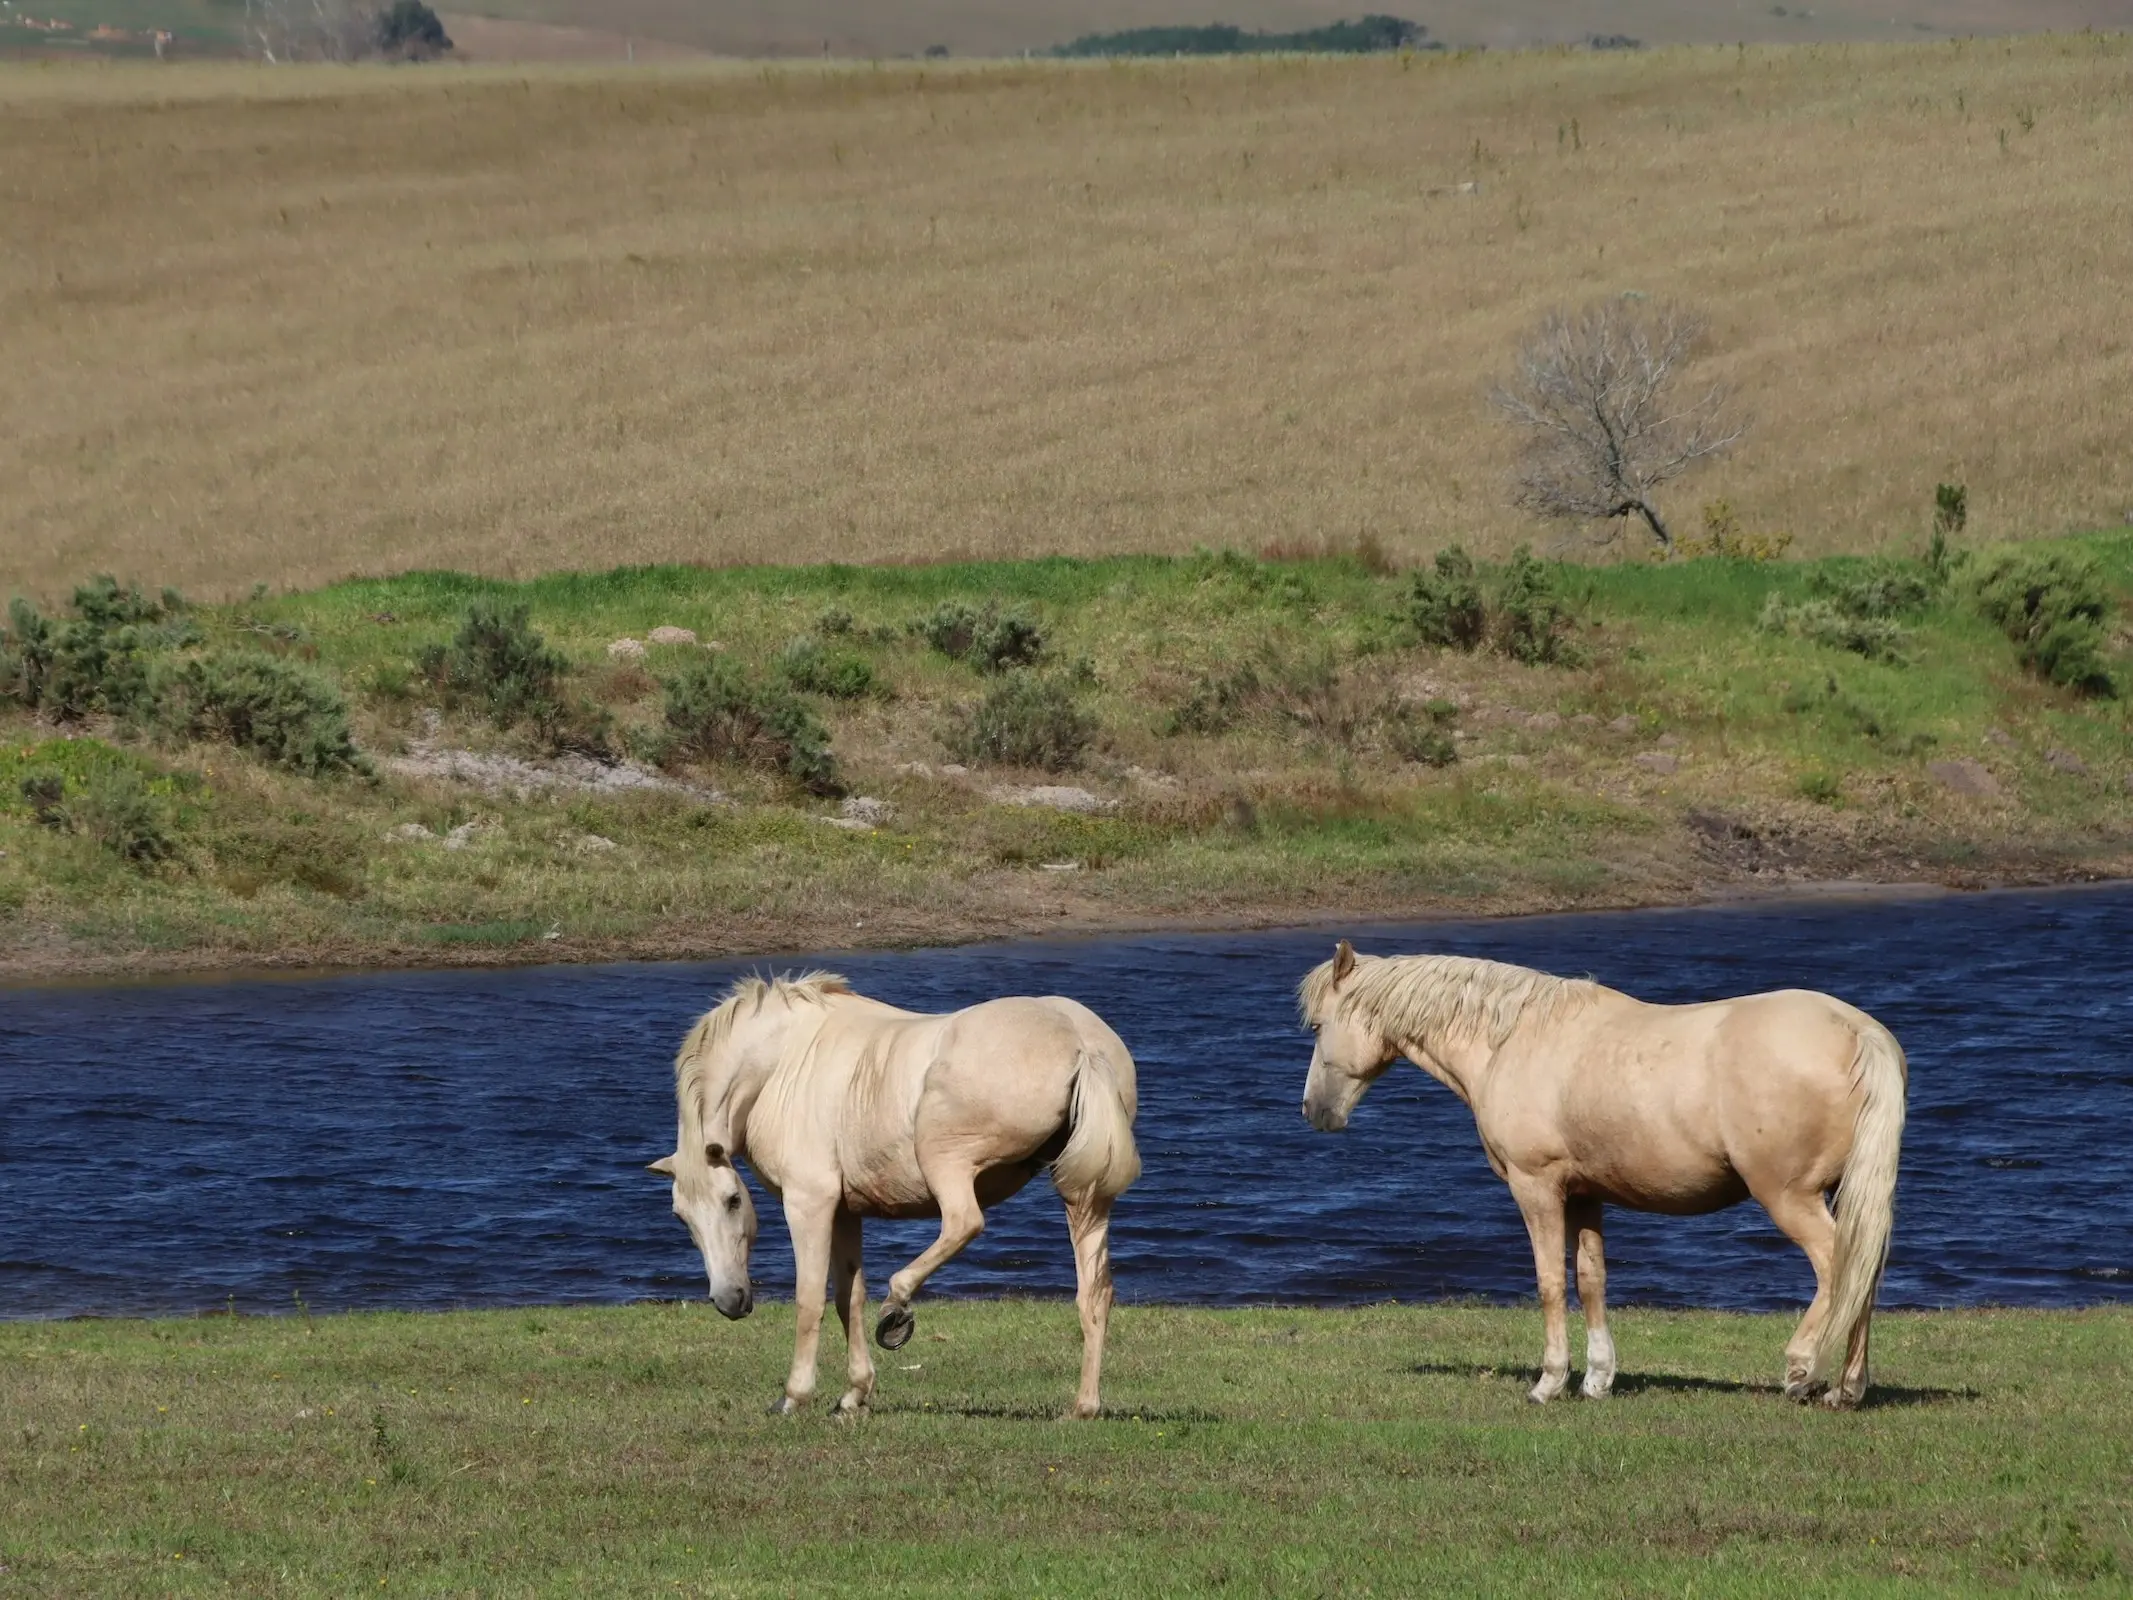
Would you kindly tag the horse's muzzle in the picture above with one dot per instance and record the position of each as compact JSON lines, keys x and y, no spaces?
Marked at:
{"x":1324,"y":1118}
{"x":735,"y":1304}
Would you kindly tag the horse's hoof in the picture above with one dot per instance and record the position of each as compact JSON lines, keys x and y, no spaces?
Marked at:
{"x":1596,"y":1391}
{"x":784,"y":1406}
{"x":1838,"y":1399}
{"x":894,"y":1329}
{"x":850,"y":1410}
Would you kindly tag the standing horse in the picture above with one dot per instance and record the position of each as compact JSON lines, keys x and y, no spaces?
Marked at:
{"x":1584,"y":1096}
{"x":847,"y":1108}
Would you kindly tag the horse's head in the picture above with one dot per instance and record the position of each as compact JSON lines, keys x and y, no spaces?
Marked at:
{"x":711,"y":1198}
{"x":1350,"y":1051}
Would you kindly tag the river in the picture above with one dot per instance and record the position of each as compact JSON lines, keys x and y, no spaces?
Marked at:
{"x":439,"y":1139}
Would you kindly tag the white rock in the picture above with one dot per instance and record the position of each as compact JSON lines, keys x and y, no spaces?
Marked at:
{"x":467,"y":833}
{"x":865,"y":808}
{"x":668,"y":634}
{"x":407,"y":833}
{"x":954,"y":769}
{"x":591,"y":844}
{"x":626,"y":650}
{"x":1056,"y":797}
{"x":848,"y":824}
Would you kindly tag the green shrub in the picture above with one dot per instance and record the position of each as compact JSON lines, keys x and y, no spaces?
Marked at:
{"x":990,"y":640}
{"x":408,"y":30}
{"x":2054,"y":605}
{"x":714,"y":710}
{"x":1216,"y":701}
{"x":124,"y":815}
{"x":1445,"y":604}
{"x":97,"y":662}
{"x":835,"y":623}
{"x":46,"y":795}
{"x":1027,"y":721}
{"x":499,"y":662}
{"x":838,"y":674}
{"x":1880,"y":588}
{"x":1823,"y":788}
{"x":260,"y":703}
{"x":1424,"y":738}
{"x":1531,"y":619}
{"x":1826,"y":623}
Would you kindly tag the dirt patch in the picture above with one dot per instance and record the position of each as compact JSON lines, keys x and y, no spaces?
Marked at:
{"x":501,"y":774}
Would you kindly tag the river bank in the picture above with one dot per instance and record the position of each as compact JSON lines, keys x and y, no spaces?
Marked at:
{"x":1383,"y":1449}
{"x":682,"y":762}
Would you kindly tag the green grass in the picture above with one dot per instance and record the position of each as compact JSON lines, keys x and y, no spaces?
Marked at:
{"x":1385,"y":1450}
{"x":1296,"y":805}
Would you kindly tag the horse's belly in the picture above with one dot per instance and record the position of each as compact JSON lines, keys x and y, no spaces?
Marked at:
{"x":1682,"y":1193}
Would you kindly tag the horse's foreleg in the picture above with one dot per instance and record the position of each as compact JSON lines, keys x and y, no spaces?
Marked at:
{"x":1089,"y":1223}
{"x":850,"y":1282}
{"x":961,"y":1222}
{"x":1582,"y":1215}
{"x":1542,"y":1204}
{"x":810,"y":1224}
{"x":1804,"y":1219}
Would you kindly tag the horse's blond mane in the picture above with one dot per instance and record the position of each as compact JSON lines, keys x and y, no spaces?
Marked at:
{"x":1414,"y":999}
{"x":692,"y":1063}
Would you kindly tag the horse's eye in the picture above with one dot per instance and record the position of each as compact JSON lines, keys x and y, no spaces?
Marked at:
{"x":733,"y":1202}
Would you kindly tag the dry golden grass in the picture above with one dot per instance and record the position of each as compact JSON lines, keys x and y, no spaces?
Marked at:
{"x":288,"y":326}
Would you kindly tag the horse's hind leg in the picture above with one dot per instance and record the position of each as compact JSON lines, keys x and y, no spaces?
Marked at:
{"x":1542,"y":1204}
{"x":961,"y":1222}
{"x":1803,"y":1217}
{"x":1582,"y":1215}
{"x":1089,"y":1223}
{"x":851,"y":1285}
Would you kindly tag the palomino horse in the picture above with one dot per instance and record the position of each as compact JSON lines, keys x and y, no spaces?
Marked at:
{"x":848,"y":1108}
{"x":1584,"y":1096}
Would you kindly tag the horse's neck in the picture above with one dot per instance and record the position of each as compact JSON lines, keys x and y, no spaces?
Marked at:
{"x":735,"y":1098}
{"x":1459,"y":1062}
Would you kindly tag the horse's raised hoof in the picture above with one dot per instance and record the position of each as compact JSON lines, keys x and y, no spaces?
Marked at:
{"x":850,"y":1409}
{"x":1841,"y":1399}
{"x":894,"y":1329}
{"x":784,"y":1406}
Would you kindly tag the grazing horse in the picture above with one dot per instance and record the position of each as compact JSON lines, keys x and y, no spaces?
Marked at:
{"x":847,"y":1108}
{"x":1585,"y":1097}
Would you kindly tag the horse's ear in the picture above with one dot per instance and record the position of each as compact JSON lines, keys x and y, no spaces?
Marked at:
{"x":715,"y":1154}
{"x":1343,"y":960}
{"x":664,"y":1166}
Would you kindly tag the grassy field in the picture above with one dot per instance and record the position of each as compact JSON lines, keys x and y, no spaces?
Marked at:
{"x":1010,"y":27}
{"x":293,"y":326}
{"x":1267,"y":741}
{"x":1378,"y":1451}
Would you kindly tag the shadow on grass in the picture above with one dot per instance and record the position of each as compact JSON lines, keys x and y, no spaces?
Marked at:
{"x":1881,"y":1396}
{"x":984,"y":1413}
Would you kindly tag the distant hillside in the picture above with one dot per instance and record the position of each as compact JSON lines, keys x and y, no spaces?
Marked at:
{"x":887,"y":28}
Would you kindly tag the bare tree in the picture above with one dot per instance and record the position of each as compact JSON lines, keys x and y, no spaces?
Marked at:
{"x":277,"y":31}
{"x":1595,"y":397}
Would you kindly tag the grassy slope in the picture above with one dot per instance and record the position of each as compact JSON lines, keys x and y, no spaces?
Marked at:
{"x":1258,"y":1452}
{"x":1298,"y":809}
{"x":291,"y":326}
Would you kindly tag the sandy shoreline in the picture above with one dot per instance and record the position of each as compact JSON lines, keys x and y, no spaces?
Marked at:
{"x":774,"y":939}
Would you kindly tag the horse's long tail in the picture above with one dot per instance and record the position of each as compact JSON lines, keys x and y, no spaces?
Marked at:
{"x":1100,"y":1159}
{"x":1866,"y":1198}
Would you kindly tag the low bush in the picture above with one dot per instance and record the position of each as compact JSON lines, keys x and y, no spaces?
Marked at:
{"x":123,"y":814}
{"x":1531,"y":621}
{"x":838,"y":674}
{"x":1216,"y":701}
{"x":1524,"y":617}
{"x":1880,"y":588}
{"x":2055,"y":606}
{"x":45,"y":793}
{"x":1423,"y":736}
{"x":1825,"y":623}
{"x":97,"y":662}
{"x":716,"y":711}
{"x":499,"y":662}
{"x":1445,"y":602}
{"x":1027,"y":721}
{"x":989,"y":639}
{"x":260,"y":703}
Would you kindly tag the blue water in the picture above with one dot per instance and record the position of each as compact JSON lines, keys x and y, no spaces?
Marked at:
{"x":449,"y":1138}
